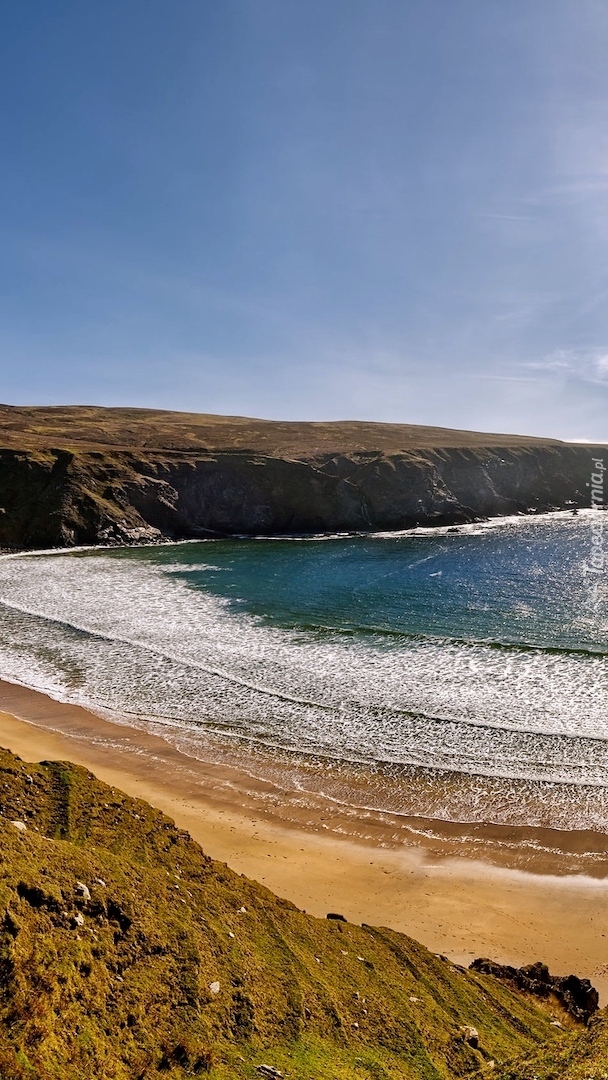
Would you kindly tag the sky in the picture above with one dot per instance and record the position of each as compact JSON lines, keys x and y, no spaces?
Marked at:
{"x":388,"y":210}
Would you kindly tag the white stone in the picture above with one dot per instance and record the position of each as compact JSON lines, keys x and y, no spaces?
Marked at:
{"x":471,"y":1035}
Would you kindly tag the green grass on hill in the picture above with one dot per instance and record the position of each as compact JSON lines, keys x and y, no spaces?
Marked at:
{"x":584,"y":1057}
{"x":169,"y":964}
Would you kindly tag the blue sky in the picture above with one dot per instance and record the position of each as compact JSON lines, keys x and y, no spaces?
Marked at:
{"x":375,"y":209}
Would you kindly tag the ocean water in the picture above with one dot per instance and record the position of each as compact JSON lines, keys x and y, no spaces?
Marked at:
{"x":460,"y":674}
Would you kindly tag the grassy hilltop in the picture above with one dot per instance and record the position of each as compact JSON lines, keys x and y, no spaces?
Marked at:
{"x":79,"y":426}
{"x":126,"y":953}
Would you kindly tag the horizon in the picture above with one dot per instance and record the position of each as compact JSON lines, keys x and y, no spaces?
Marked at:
{"x":395,"y":214}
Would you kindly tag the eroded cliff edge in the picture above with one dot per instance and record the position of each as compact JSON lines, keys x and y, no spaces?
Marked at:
{"x":90,"y":475}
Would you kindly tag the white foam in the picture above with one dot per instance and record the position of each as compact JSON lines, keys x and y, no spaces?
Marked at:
{"x":132,"y":639}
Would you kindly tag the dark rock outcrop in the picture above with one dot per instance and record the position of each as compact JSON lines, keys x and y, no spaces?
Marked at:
{"x":577,"y":996}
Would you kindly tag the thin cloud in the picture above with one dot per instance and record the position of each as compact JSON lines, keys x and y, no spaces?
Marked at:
{"x":588,"y":364}
{"x":506,"y":378}
{"x":504,"y":217}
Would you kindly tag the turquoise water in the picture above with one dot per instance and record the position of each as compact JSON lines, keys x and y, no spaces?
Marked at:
{"x":469,"y":663}
{"x":518,"y":585}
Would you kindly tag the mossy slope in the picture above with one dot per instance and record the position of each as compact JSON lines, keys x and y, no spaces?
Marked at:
{"x":122,"y":983}
{"x":584,"y":1057}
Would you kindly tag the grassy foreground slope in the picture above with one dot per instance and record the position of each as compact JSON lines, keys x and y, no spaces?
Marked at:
{"x":125,"y":953}
{"x":582,"y":1058}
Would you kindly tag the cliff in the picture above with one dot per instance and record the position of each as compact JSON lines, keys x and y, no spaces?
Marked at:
{"x":79,"y":475}
{"x":126,"y":952}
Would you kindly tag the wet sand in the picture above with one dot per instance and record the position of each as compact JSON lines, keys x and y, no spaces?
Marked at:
{"x":433,"y":887}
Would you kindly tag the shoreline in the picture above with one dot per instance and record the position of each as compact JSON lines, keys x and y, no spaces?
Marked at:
{"x":435,"y":889}
{"x":492,"y":521}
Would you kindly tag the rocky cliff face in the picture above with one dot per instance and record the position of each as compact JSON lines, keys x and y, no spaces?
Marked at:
{"x":120,"y":481}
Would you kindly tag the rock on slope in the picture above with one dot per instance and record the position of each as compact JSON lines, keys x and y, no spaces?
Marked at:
{"x":126,"y":953}
{"x":75,"y":475}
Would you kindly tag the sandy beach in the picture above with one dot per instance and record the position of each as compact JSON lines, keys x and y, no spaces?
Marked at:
{"x":453,"y":903}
